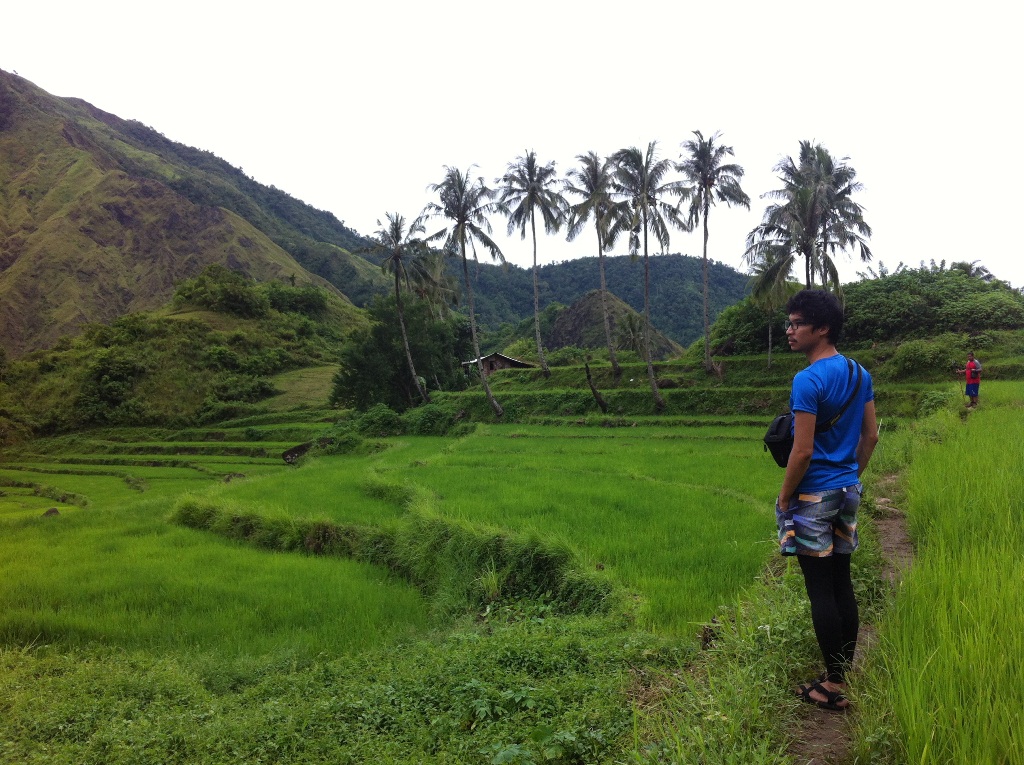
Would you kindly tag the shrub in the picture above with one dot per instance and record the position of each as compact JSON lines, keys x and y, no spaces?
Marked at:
{"x":524,"y":349}
{"x":309,"y":301}
{"x":429,"y":420}
{"x":340,"y":440}
{"x":925,"y":358}
{"x":243,"y":388}
{"x":380,"y":420}
{"x":213,"y":410}
{"x":933,"y":401}
{"x":220,"y":289}
{"x":568,"y":356}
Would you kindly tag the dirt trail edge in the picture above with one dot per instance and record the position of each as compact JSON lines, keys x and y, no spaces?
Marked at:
{"x":823,"y":738}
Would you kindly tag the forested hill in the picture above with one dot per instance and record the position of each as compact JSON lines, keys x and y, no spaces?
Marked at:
{"x":101,"y":216}
{"x":505,"y":293}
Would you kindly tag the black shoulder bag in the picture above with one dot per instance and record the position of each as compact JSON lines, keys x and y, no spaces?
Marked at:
{"x":779,"y":438}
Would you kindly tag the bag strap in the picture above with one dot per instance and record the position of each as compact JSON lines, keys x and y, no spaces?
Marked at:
{"x":830,"y":423}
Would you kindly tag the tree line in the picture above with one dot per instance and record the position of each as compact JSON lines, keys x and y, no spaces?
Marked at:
{"x":638,"y":195}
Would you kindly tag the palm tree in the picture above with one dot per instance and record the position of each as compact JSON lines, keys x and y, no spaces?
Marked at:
{"x":433,"y":284}
{"x":529,"y":188}
{"x":815,"y":216}
{"x":640,"y":183}
{"x":465,"y":203}
{"x":592,"y":182}
{"x":843,"y":226}
{"x":770,"y":287}
{"x":402,"y":251}
{"x":973,"y":269}
{"x":710,"y":181}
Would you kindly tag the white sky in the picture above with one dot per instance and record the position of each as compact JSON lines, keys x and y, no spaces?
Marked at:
{"x":356,"y":107}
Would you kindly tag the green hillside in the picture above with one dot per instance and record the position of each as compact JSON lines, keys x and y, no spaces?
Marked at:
{"x":504,"y":294}
{"x":581,"y":326}
{"x":100,"y":217}
{"x":214,"y":352}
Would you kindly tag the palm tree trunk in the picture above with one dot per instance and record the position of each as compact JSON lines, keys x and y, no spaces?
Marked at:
{"x":659,"y":402}
{"x":707,"y":315}
{"x":498,"y":411}
{"x":593,"y":389}
{"x":769,"y":342}
{"x":405,"y":341}
{"x":536,"y":300}
{"x":616,"y":370}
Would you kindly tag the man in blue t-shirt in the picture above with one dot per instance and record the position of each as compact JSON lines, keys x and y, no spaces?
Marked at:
{"x":817,"y":505}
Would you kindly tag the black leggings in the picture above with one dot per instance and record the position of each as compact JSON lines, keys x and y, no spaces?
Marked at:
{"x":833,"y":610}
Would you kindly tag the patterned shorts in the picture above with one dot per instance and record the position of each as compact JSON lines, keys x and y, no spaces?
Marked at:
{"x":820,"y":524}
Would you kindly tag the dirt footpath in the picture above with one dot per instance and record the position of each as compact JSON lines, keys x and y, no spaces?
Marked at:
{"x":822,"y":737}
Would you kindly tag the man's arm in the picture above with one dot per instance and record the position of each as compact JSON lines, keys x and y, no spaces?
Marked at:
{"x":800,"y":457}
{"x":868,"y":437}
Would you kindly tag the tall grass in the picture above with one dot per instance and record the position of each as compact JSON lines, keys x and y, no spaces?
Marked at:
{"x":123,"y":577}
{"x":950,"y":664}
{"x":681,"y":516}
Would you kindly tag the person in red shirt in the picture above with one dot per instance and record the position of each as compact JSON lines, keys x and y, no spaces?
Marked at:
{"x":972,"y":376}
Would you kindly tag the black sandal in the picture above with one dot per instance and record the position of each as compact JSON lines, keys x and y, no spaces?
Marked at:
{"x":832,"y":698}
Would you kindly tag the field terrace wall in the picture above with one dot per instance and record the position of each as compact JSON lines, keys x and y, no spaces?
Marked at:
{"x":457,"y":566}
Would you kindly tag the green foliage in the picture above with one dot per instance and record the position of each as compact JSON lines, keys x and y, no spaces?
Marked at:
{"x":907,"y":305}
{"x":568,"y":356}
{"x":144,"y":369}
{"x":634,"y":401}
{"x":429,"y":420}
{"x":107,"y":394}
{"x":338,"y":440}
{"x":933,"y":401}
{"x":374,"y":369}
{"x":504,"y":294}
{"x":220,"y":289}
{"x":380,"y":421}
{"x":523,"y":349}
{"x":927,"y":359}
{"x":743,"y":328}
{"x":246,"y":388}
{"x":917,"y":303}
{"x":309,"y":301}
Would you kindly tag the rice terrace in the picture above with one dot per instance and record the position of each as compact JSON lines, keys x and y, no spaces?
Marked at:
{"x":590,"y":588}
{"x":272,"y":491}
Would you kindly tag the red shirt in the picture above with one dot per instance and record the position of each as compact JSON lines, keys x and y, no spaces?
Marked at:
{"x":973,"y":371}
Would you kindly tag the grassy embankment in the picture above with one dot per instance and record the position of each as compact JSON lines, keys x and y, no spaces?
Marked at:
{"x":945,"y":685}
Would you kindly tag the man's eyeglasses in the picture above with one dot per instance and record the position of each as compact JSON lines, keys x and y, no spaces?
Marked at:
{"x":796,"y":324}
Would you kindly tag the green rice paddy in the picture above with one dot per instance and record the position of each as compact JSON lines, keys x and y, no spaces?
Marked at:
{"x":125,"y":637}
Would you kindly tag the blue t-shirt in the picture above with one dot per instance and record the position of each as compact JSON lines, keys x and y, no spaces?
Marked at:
{"x":822,"y":389}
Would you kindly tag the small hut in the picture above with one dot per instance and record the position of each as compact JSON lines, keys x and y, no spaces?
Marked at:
{"x":492,"y":362}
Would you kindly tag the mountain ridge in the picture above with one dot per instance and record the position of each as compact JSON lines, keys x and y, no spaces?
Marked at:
{"x":93,"y":225}
{"x":102,"y":216}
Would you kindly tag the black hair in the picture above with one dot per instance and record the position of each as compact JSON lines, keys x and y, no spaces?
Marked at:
{"x":820,"y":309}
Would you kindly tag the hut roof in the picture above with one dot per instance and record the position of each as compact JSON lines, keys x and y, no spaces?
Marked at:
{"x":507,"y":359}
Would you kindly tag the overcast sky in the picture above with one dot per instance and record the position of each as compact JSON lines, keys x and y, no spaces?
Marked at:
{"x":356,"y":107}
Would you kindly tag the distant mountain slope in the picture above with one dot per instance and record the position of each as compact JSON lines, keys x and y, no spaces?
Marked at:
{"x":100,"y":216}
{"x":505,"y":294}
{"x":582,"y":325}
